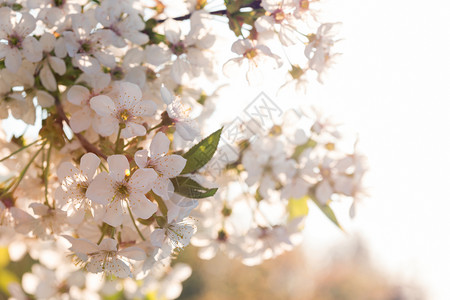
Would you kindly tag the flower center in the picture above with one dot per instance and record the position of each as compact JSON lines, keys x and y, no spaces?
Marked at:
{"x":178,"y":48}
{"x":124,"y":115}
{"x":15,"y":41}
{"x":86,"y":47}
{"x":59,"y":3}
{"x":250,"y":54}
{"x":278,"y":15}
{"x":122,"y":190}
{"x":304,"y":4}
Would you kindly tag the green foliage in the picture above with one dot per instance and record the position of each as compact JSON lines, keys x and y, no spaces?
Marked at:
{"x":201,"y":153}
{"x":188,"y":187}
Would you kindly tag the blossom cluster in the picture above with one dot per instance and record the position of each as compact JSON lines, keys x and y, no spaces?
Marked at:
{"x":117,"y":181}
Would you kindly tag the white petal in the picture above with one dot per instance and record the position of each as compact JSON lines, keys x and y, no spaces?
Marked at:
{"x":87,"y":63}
{"x":142,"y":180}
{"x":66,"y":169}
{"x":141,"y":157}
{"x":134,"y":253}
{"x":114,"y":213}
{"x":157,"y":237}
{"x":26,"y":25}
{"x":78,"y":94}
{"x":160,"y":187}
{"x":166,"y":95}
{"x":132,"y":130}
{"x":129,"y":94}
{"x":108,"y":244}
{"x":105,"y":126}
{"x":45,"y":99}
{"x":118,"y":166}
{"x":157,"y":55}
{"x":117,"y":267}
{"x":101,"y":189}
{"x":89,"y":164}
{"x":103,"y":105}
{"x":32,"y":49}
{"x":172,"y":31}
{"x":186,"y":130}
{"x":160,"y":145}
{"x":81,"y":245}
{"x":81,"y":120}
{"x":47,"y":78}
{"x":171,"y":165}
{"x":47,"y":41}
{"x":57,"y":65}
{"x":324,"y":192}
{"x":13,"y":60}
{"x":141,"y":206}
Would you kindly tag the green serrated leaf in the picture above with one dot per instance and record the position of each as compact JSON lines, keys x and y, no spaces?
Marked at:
{"x":298,"y":207}
{"x":188,"y":187}
{"x":201,"y":153}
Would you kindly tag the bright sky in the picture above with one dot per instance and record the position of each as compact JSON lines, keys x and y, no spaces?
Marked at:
{"x":392,"y":86}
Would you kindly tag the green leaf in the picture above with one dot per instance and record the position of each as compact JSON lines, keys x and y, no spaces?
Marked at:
{"x":188,"y":187}
{"x":201,"y":153}
{"x":326,"y":209}
{"x":298,"y":207}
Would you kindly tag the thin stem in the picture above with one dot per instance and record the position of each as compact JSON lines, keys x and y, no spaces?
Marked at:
{"x":118,"y":140}
{"x":155,"y":127}
{"x":134,"y":223}
{"x":24,"y":171}
{"x":19,"y":150}
{"x":47,"y":168}
{"x":101,"y":237}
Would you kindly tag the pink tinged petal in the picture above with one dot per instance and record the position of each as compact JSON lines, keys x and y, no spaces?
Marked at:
{"x":171,"y":165}
{"x":118,"y":166}
{"x":57,"y":65}
{"x":81,"y":245}
{"x":141,"y":157}
{"x":78,"y":94}
{"x":76,"y":217}
{"x":89,"y":164}
{"x":134,"y":253}
{"x":166,"y":95}
{"x":132,"y":130}
{"x":180,"y":71}
{"x":117,"y":267}
{"x":142,"y":180}
{"x":47,"y":78}
{"x":81,"y":120}
{"x":141,"y":206}
{"x":32,"y":49}
{"x":66,"y":169}
{"x":114,"y":213}
{"x":157,"y":237}
{"x":108,"y":244}
{"x":60,"y":48}
{"x":324,"y":192}
{"x":103,"y":106}
{"x":47,"y":41}
{"x":101,"y":189}
{"x":105,"y":59}
{"x":13,"y":60}
{"x":45,"y":99}
{"x":160,"y":145}
{"x":160,"y":187}
{"x":39,"y":209}
{"x":137,"y":37}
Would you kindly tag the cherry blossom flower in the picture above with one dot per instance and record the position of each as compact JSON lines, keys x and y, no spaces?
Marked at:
{"x":179,"y":114}
{"x":252,"y":58}
{"x":72,"y":192}
{"x":88,"y":49}
{"x":176,"y":234}
{"x":105,"y":257}
{"x":50,"y":63}
{"x":166,"y":166}
{"x":19,"y":43}
{"x":117,"y":189}
{"x":123,"y":106}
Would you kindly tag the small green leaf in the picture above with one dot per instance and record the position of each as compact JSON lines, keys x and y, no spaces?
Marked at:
{"x":188,"y":187}
{"x":201,"y":153}
{"x":326,"y":209}
{"x":298,"y":207}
